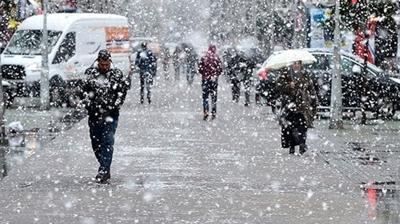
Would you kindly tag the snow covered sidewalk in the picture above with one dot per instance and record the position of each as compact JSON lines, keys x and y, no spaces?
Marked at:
{"x":170,"y":166}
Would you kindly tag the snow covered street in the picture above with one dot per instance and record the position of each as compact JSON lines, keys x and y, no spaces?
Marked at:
{"x":170,"y":166}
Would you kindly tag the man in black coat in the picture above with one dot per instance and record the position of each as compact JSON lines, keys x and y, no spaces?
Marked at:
{"x":240,"y":71}
{"x":105,"y":89}
{"x":191,"y":62}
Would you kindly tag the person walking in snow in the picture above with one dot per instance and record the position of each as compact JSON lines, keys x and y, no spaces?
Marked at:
{"x":210,"y":68}
{"x":191,"y":62}
{"x":147,"y":64}
{"x":240,"y":71}
{"x":165,"y":59}
{"x":105,"y":89}
{"x":177,"y":61}
{"x":298,"y":99}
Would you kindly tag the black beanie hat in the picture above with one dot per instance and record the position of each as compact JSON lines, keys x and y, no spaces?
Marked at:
{"x":104,"y":55}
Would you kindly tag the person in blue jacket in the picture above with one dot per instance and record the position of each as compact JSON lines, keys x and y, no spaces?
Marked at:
{"x":147,"y":65}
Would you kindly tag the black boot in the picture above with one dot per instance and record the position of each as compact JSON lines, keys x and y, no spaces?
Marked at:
{"x":291,"y":150}
{"x":102,"y":177}
{"x":303,"y":149}
{"x":364,"y":118}
{"x":205,"y":115}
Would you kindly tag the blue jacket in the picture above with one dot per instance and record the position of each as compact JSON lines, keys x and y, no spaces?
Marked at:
{"x":146,"y":62}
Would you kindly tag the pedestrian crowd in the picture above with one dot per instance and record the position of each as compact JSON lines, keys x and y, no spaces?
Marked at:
{"x":105,"y":88}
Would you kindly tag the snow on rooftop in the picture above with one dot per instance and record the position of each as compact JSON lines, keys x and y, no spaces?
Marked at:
{"x":58,"y":21}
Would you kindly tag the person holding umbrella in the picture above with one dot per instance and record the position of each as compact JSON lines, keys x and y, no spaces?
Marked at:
{"x":298,"y":98}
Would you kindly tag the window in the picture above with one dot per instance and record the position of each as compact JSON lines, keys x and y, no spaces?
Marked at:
{"x":28,"y":42}
{"x":347,"y":66}
{"x":67,"y":49}
{"x":323,"y":62}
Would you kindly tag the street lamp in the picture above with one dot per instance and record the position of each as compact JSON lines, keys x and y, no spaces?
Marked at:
{"x":336,"y":121}
{"x":44,"y":75}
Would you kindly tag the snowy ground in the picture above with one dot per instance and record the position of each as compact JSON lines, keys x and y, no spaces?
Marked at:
{"x":170,"y":166}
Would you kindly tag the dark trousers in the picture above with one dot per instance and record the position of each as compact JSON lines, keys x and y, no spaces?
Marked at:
{"x":177,"y":69}
{"x":102,"y":133}
{"x":236,"y":90}
{"x":190,"y":72}
{"x":295,"y":131}
{"x":210,"y":89}
{"x":166,"y":69}
{"x":146,"y":81}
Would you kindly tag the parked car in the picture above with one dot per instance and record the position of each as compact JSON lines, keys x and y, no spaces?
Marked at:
{"x":373,"y":89}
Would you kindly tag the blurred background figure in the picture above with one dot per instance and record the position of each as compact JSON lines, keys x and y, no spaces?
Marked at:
{"x":191,"y":64}
{"x":147,"y":64}
{"x":177,"y":61}
{"x":240,"y":70}
{"x":166,"y":59}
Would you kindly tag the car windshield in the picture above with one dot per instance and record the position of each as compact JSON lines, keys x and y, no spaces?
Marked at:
{"x":27,"y":42}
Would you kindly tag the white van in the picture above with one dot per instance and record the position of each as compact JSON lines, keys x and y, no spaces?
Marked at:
{"x":74,"y":39}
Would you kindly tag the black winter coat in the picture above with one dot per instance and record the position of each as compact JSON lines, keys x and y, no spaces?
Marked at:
{"x":104,"y":94}
{"x":240,"y":68}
